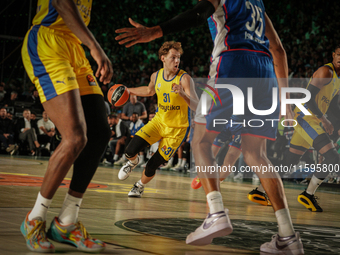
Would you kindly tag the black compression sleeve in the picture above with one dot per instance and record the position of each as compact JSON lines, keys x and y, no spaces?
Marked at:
{"x":191,"y":18}
{"x":312,"y":105}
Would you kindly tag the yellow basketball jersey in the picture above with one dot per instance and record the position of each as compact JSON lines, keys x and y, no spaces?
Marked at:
{"x":326,"y":94}
{"x":48,"y":16}
{"x":172,"y":109}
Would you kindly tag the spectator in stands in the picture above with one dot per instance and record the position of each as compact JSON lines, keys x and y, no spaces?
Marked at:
{"x":121,"y":132}
{"x":135,"y":125}
{"x":26,"y":131}
{"x":2,"y":93}
{"x":46,"y":131}
{"x":34,"y":121}
{"x":10,"y":101}
{"x":6,"y":132}
{"x":134,"y":106}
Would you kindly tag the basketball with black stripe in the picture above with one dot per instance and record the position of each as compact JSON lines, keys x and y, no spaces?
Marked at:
{"x":118,"y":95}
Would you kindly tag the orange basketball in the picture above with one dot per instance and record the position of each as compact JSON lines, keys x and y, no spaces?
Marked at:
{"x":118,"y":95}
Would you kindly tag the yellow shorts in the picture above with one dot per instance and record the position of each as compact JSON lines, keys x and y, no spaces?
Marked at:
{"x":56,"y":63}
{"x":306,"y":131}
{"x":171,"y":137}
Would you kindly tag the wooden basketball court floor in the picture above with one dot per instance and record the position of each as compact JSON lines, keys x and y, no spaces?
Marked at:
{"x":159,"y":222}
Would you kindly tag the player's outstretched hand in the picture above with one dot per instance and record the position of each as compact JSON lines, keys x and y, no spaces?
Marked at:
{"x":104,"y":71}
{"x":137,"y":34}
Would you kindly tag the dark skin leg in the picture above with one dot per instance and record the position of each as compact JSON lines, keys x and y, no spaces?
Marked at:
{"x":66,"y":112}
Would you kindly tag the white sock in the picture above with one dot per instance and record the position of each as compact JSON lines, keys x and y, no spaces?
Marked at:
{"x":261,"y":189}
{"x":141,"y":183}
{"x":40,"y":208}
{"x":134,"y":161}
{"x":215,"y":202}
{"x":124,"y":157}
{"x":184,"y":161}
{"x":285,"y":223}
{"x":179,"y":162}
{"x":141,"y":158}
{"x":313,"y":185}
{"x":115,"y":157}
{"x":70,"y":209}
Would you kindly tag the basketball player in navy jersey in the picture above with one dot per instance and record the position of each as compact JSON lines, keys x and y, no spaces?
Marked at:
{"x":242,"y":33}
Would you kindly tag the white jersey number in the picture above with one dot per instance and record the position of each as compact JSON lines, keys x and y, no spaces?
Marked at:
{"x":256,"y":16}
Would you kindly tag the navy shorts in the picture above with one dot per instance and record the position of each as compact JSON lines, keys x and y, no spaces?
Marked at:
{"x":244,"y":70}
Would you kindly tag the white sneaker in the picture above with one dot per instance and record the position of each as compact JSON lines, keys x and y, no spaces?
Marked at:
{"x":167,"y":166}
{"x":239,"y":176}
{"x":136,"y":191}
{"x":120,"y":162}
{"x":143,"y":166}
{"x":290,"y":245}
{"x":126,"y":170}
{"x":215,"y":225}
{"x":177,"y":168}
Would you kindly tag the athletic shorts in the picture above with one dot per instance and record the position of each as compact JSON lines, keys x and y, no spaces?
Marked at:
{"x":242,"y":69}
{"x":233,"y":134}
{"x":171,"y":138}
{"x":56,"y":63}
{"x":305,"y":132}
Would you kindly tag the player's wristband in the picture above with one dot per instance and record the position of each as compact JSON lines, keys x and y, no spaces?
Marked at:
{"x":191,"y":18}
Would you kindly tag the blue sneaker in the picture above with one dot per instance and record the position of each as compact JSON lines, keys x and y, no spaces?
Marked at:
{"x":35,"y":235}
{"x":76,"y":235}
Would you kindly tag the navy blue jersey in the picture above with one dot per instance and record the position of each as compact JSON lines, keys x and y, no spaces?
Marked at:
{"x":239,"y":25}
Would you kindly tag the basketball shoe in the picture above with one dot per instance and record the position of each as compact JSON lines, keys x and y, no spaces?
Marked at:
{"x":137,"y":190}
{"x":75,"y":235}
{"x":290,"y":245}
{"x":259,"y":197}
{"x":196,"y":183}
{"x":309,"y":201}
{"x":126,"y":170}
{"x":215,"y":225}
{"x":120,"y":162}
{"x":35,"y":235}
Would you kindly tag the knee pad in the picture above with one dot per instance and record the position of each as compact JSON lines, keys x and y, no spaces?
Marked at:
{"x":155,"y":161}
{"x":136,"y":145}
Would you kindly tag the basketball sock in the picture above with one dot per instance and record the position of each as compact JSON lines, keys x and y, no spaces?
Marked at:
{"x":134,"y":161}
{"x":261,"y":189}
{"x":184,"y":161}
{"x":40,"y":208}
{"x":215,"y":202}
{"x":115,"y":157}
{"x":285,"y":223}
{"x":141,"y":183}
{"x":179,"y":162}
{"x":313,"y":185}
{"x":70,"y":209}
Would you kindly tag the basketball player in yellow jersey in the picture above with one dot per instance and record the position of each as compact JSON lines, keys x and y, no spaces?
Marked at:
{"x":55,"y":62}
{"x":176,"y":96}
{"x":313,"y":130}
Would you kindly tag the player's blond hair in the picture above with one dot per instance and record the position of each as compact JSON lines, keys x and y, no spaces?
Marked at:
{"x":167,"y":46}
